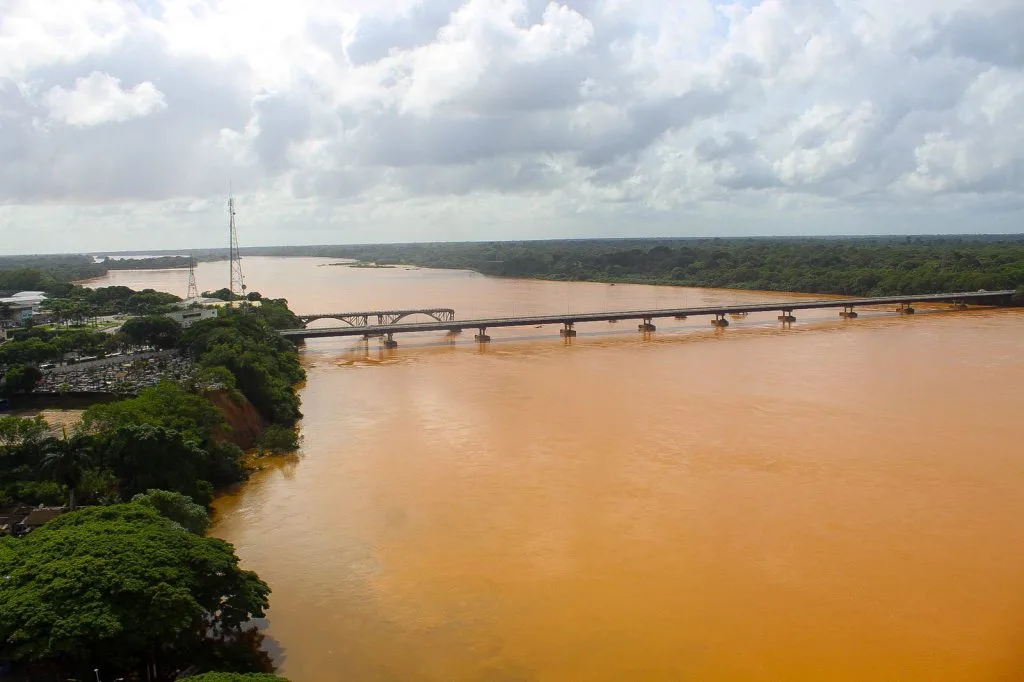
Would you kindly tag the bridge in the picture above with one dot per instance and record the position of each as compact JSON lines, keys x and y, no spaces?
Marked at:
{"x":384,"y":317}
{"x":718,"y":314}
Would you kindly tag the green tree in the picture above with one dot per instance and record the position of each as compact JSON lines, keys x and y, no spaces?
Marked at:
{"x":98,"y":485}
{"x":146,"y":457}
{"x":166,"y":404}
{"x":20,"y":379}
{"x":150,"y":302}
{"x":66,"y":459}
{"x":120,"y":587}
{"x":29,"y":351}
{"x":278,"y":440}
{"x":158,"y":331}
{"x":277,"y":314}
{"x":178,"y":508}
{"x":223,"y":294}
{"x":16,"y":431}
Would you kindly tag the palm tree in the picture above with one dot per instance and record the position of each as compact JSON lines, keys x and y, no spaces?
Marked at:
{"x":66,"y":459}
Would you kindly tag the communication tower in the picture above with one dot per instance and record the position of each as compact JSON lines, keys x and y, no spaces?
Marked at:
{"x":237,"y":286}
{"x":193,"y":290}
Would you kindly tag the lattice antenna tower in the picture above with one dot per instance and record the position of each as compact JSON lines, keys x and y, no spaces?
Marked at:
{"x":237,"y":286}
{"x":193,"y":290}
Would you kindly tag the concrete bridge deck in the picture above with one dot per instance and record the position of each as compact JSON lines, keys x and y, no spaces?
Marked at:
{"x":717,"y":312}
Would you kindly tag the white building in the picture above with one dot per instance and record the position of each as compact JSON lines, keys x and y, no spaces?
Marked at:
{"x":187,"y":318}
{"x":22,"y":306}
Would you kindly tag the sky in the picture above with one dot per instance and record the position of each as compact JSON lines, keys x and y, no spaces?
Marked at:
{"x":125,"y":124}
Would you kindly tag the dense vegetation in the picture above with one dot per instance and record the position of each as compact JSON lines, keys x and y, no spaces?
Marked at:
{"x":854,"y":266}
{"x":166,"y":438}
{"x":45,"y":273}
{"x":39,"y":344}
{"x":126,"y":589}
{"x":148,"y":466}
{"x":170,"y":437}
{"x":129,"y":584}
{"x":52,"y":273}
{"x":157,"y":331}
{"x":140,"y":588}
{"x":71,"y":303}
{"x":264,"y":365}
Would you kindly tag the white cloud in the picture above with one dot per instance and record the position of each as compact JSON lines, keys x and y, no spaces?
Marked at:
{"x":35,"y":34}
{"x":356,"y":120}
{"x":98,"y":98}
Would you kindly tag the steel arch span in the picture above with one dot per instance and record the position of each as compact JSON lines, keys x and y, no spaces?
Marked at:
{"x":362,"y":318}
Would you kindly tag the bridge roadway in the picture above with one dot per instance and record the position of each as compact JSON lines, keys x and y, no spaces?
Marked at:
{"x":717,"y":312}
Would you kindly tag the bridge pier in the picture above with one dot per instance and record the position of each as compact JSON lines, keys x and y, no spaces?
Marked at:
{"x":847,"y":312}
{"x":787,"y":316}
{"x":720,"y":322}
{"x":646,"y":326}
{"x":389,"y":341}
{"x":567,"y":331}
{"x":481,"y":336}
{"x":905,"y":309}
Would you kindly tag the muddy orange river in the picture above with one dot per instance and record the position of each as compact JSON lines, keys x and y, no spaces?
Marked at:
{"x":840,"y":500}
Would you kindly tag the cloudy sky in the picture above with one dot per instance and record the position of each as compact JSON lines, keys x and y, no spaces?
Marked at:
{"x":123,"y":123}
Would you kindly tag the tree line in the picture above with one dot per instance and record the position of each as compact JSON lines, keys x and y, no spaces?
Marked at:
{"x":869,"y":266}
{"x":52,"y":273}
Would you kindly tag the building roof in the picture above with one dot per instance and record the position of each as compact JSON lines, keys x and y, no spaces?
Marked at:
{"x":21,"y":519}
{"x":38,"y":517}
{"x":25,"y":298}
{"x":199,"y":301}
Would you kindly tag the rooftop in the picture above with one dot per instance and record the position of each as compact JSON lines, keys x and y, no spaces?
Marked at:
{"x":25,"y":298}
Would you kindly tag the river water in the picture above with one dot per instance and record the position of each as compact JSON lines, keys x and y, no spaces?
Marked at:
{"x":840,"y":500}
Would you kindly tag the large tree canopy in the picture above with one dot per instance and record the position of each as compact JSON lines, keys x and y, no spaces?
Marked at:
{"x":155,"y":457}
{"x":178,"y":508}
{"x":152,"y":330}
{"x":115,"y":584}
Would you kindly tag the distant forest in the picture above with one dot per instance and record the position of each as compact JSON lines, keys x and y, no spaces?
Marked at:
{"x":859,"y":266}
{"x":51,"y":273}
{"x":852,"y":266}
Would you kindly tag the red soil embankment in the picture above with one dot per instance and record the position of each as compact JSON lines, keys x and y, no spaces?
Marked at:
{"x":244,"y":422}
